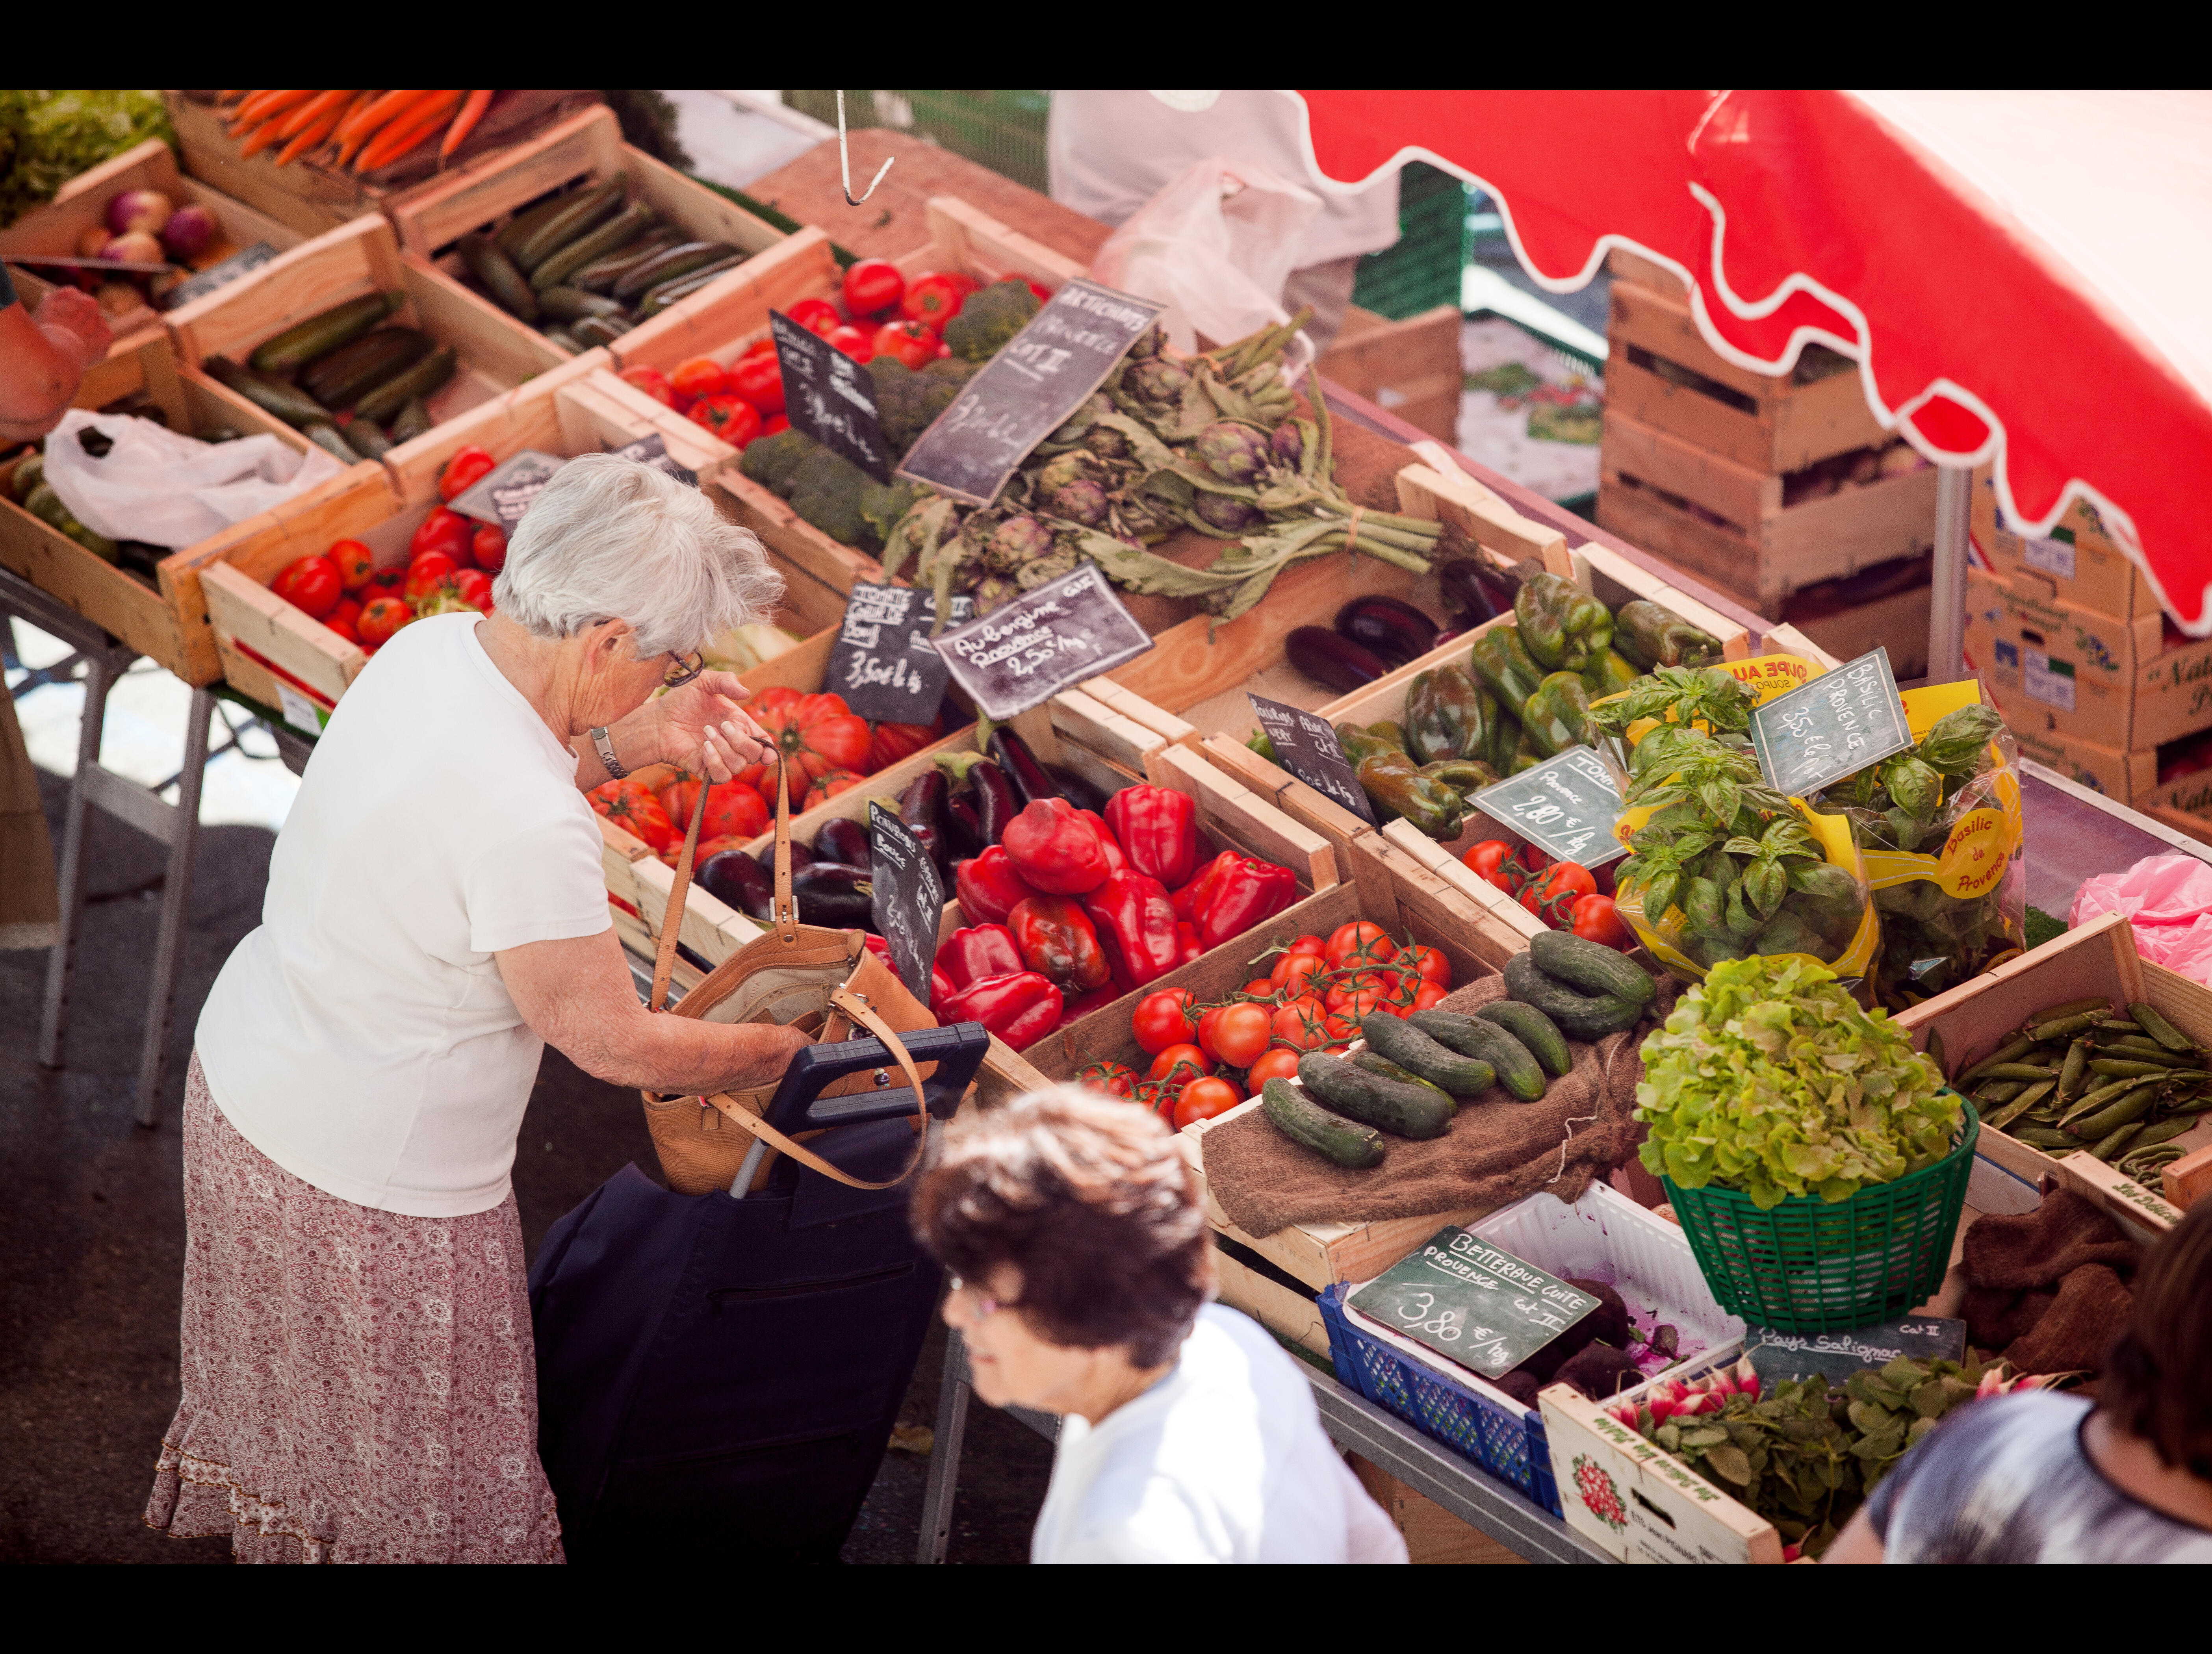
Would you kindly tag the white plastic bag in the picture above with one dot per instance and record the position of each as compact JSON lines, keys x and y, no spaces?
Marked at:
{"x":1216,"y":246}
{"x":154,"y":485}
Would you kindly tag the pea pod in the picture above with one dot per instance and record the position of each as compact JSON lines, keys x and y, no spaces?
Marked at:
{"x":2013,"y":1110}
{"x":2120,"y":1065}
{"x":2159,"y":1029}
{"x":1999,"y":1091}
{"x":2022,"y":1071}
{"x":2069,"y":1075}
{"x":2097,"y":1003}
{"x":2162,"y":1130}
{"x":2101,"y":1097}
{"x":2120,"y":1138}
{"x":2133,"y":1106}
{"x":2006,"y":1053}
{"x":2063,"y":1027}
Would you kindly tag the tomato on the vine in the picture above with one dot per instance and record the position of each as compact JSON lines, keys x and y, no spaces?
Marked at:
{"x":759,"y":380}
{"x":1241,"y":1033}
{"x":1279,"y":1062}
{"x":1493,"y":860}
{"x":1343,"y":1020}
{"x":1299,"y":1024}
{"x":873,"y":284}
{"x":1313,"y":945}
{"x":1202,"y":1100}
{"x":1428,"y":963}
{"x":1552,"y":894}
{"x":1113,"y":1079}
{"x":1163,"y":1019}
{"x":1595,"y":919}
{"x":816,"y":316}
{"x":1292,"y":971}
{"x":1428,"y":996}
{"x":1362,"y":942}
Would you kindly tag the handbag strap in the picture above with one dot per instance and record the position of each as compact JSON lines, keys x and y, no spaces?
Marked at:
{"x":854,"y":1006}
{"x":671,"y":922}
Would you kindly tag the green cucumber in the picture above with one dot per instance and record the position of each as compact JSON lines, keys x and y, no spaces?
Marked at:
{"x":1299,"y":1118}
{"x":28,"y":475}
{"x":46,"y":506}
{"x":1537,"y":1032}
{"x":598,"y":330}
{"x":1408,"y":1111}
{"x":1382,"y":1065}
{"x":321,"y":334}
{"x":618,"y":232}
{"x":409,"y":423}
{"x":683,"y":287}
{"x":1591,"y":966}
{"x":419,"y":381}
{"x":567,"y":341}
{"x":338,"y":379}
{"x":1472,"y":1037}
{"x":488,"y":263}
{"x":679,"y":260}
{"x":368,"y":438}
{"x":332,"y":440}
{"x":1442,"y":1067}
{"x":526,"y":222}
{"x":584,"y":212}
{"x":270,"y":395}
{"x":1580,"y":1016}
{"x":599,"y":276}
{"x":567,"y":304}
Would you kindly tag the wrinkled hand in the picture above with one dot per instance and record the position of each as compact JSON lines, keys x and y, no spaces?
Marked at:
{"x":76,"y":313}
{"x":702,"y":727}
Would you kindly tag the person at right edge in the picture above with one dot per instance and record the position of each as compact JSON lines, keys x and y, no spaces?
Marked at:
{"x":2042,"y":1476}
{"x":1083,"y":1266}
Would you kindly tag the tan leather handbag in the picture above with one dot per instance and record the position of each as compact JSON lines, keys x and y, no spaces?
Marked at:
{"x":824,"y":982}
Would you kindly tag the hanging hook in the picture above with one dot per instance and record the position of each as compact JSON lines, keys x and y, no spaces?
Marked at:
{"x":845,"y":158}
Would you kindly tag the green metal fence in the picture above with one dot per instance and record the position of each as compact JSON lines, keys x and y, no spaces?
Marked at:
{"x":1003,"y":131}
{"x":1422,"y":270}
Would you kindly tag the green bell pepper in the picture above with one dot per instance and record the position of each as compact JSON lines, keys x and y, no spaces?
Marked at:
{"x":1358,"y":742}
{"x":1463,"y":775}
{"x":1652,"y":636}
{"x":1608,"y":674}
{"x":1556,"y":715}
{"x":1448,"y":715}
{"x":1502,"y":660}
{"x":1394,"y":783}
{"x":1562,"y":626}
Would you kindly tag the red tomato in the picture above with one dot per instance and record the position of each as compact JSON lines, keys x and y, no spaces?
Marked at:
{"x":1205,"y":1025}
{"x":474,"y":586}
{"x":731,"y":417}
{"x":827,"y":786}
{"x":1493,"y":860}
{"x":443,"y":532}
{"x":1113,"y":1079}
{"x":1597,"y":920}
{"x":1299,"y":1024}
{"x":1427,"y":996}
{"x":488,"y":547}
{"x":889,"y":743}
{"x":1428,"y":963}
{"x":1166,"y":1061}
{"x":873,"y":284}
{"x":816,"y":316}
{"x":911,"y":342}
{"x":353,"y":562}
{"x":1312,"y":945}
{"x":1343,"y":1021}
{"x":759,"y":380}
{"x":1292,"y":971}
{"x":1553,"y":893}
{"x":1281,"y":1063}
{"x":1202,"y":1100}
{"x":380,"y":616}
{"x":1162,"y":1019}
{"x":758,"y":347}
{"x":1362,"y":942}
{"x":774,"y":425}
{"x":312,"y":585}
{"x":341,"y":619}
{"x":701,"y":376}
{"x":652,"y":382}
{"x":933,"y":299}
{"x":1260,"y":988}
{"x":855,"y":341}
{"x":426,"y":574}
{"x":462,"y":471}
{"x":1242,"y":1034}
{"x":1043,"y":297}
{"x":385,"y":582}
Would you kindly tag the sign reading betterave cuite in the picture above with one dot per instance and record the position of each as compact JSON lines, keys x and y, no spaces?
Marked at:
{"x":830,"y":396}
{"x":1566,"y":807}
{"x":1027,"y":392}
{"x":883,"y":662}
{"x":1307,"y":746}
{"x":1067,"y":631}
{"x":1835,"y":726}
{"x":907,"y":896}
{"x":215,"y":277}
{"x":1485,"y":1309}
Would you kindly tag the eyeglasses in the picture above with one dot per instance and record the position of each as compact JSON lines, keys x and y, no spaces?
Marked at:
{"x":684,"y":669}
{"x":985,"y":1305}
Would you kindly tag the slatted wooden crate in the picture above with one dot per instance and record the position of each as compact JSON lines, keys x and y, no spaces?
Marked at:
{"x":170,"y":625}
{"x":1410,"y":367}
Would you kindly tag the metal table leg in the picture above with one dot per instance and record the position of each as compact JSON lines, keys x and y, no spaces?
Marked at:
{"x":183,"y":823}
{"x":952,"y":1397}
{"x":61,"y":965}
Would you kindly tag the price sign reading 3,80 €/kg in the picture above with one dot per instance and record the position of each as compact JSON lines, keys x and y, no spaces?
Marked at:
{"x":1565,"y":806}
{"x":1835,"y":726}
{"x":1306,"y":747}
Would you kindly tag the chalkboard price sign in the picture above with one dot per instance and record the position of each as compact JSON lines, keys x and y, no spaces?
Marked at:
{"x":1835,"y":726}
{"x":1565,"y":806}
{"x":1473,"y":1304}
{"x":909,"y":898}
{"x":218,"y":276}
{"x":1026,"y":392}
{"x":883,"y":662}
{"x":507,"y":491}
{"x":830,"y":396}
{"x":653,"y":450}
{"x":1306,"y":747}
{"x":1779,"y":1355}
{"x":1067,"y":631}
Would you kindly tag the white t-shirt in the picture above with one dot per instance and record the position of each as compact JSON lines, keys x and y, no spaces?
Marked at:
{"x":361,"y":1038}
{"x":1224,"y":1460}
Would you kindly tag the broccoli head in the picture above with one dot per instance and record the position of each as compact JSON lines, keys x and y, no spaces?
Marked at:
{"x":826,"y":489}
{"x":773,"y":461}
{"x":882,"y":505}
{"x":906,"y":402}
{"x":990,"y":318}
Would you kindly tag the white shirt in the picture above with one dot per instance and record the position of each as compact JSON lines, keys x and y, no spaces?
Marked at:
{"x":1224,"y":1460}
{"x":361,"y":1038}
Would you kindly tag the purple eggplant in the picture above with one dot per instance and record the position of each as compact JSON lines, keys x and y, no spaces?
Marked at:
{"x":801,"y":856}
{"x":964,"y":826}
{"x":1397,"y":631}
{"x":835,"y":895}
{"x":990,"y":796}
{"x":922,"y":807}
{"x":1323,"y":656}
{"x":1030,"y":781}
{"x":735,"y":879}
{"x":1472,"y":592}
{"x":846,"y":841}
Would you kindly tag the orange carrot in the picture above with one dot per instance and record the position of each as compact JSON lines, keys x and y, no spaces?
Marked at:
{"x":316,"y":132}
{"x":402,"y":109}
{"x":356,"y":128}
{"x":464,"y":123}
{"x":311,"y":112}
{"x":262,"y":105}
{"x":263,"y":137}
{"x":404,"y":136}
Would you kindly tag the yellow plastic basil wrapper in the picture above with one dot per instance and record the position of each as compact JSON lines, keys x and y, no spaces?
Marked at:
{"x":1721,"y":866}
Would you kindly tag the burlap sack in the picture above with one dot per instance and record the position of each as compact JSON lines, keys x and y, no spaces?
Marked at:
{"x":1494,"y":1152}
{"x":2042,"y":1247}
{"x":2048,"y":1287}
{"x":2072,"y":1335}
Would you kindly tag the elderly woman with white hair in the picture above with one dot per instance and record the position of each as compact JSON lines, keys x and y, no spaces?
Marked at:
{"x":358,"y":1376}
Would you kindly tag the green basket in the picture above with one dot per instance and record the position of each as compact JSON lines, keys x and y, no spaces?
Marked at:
{"x":1811,"y":1266}
{"x":1423,"y":268}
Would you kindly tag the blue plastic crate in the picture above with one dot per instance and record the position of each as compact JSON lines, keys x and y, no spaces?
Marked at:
{"x":1509,"y":1443}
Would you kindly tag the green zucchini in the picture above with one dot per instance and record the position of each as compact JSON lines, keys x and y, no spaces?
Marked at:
{"x":1408,"y":1111}
{"x":322,"y":334}
{"x":332,"y":440}
{"x":679,"y":260}
{"x":1488,"y":1043}
{"x":1442,"y":1067}
{"x":270,"y":395}
{"x":409,"y":423}
{"x":1537,"y":1032}
{"x":1299,"y":1118}
{"x":1580,"y":1016}
{"x":1591,"y":966}
{"x":599,"y":276}
{"x":368,"y":438}
{"x":526,"y":222}
{"x":598,"y":330}
{"x":419,"y":381}
{"x":618,"y":232}
{"x":46,"y":506}
{"x":488,"y":263}
{"x":585,"y":210}
{"x":340,"y":379}
{"x":567,"y":304}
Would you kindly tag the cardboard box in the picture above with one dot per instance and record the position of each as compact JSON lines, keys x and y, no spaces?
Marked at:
{"x":2081,"y":561}
{"x":2123,"y":776}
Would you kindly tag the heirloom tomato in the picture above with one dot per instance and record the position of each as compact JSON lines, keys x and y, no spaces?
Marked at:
{"x":817,"y":734}
{"x":828,"y":785}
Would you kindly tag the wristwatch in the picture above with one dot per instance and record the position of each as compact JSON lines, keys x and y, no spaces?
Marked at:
{"x":605,"y":749}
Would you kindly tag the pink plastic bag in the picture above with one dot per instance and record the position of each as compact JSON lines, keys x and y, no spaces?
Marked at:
{"x":2167,"y":900}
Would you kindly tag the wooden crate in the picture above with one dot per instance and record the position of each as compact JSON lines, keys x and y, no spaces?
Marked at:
{"x":1898,"y":621}
{"x":1649,"y":478}
{"x":1433,"y":1534}
{"x":1410,"y":367}
{"x":169,"y":625}
{"x":496,"y":352}
{"x":1768,"y":422}
{"x":2079,"y":560}
{"x":272,"y":653}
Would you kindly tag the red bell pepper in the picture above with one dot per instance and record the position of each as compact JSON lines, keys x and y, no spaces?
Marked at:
{"x":1187,"y":946}
{"x":1055,"y":850}
{"x":879,"y":947}
{"x":1246,"y":891}
{"x":989,"y":887}
{"x":1135,"y":912}
{"x":1058,"y":942}
{"x":1083,"y":1004}
{"x":978,"y":953}
{"x":940,"y":988}
{"x":1157,"y":828}
{"x":1020,"y":1009}
{"x":1117,"y":859}
{"x":1199,"y":890}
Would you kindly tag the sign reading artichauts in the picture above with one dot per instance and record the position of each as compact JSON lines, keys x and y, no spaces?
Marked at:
{"x":1067,"y":631}
{"x":1026,"y":392}
{"x":830,"y":396}
{"x":507,"y":491}
{"x":1835,"y":726}
{"x":907,"y":897}
{"x":1566,"y":807}
{"x":1307,"y":746}
{"x":1472,"y":1303}
{"x":884,"y":663}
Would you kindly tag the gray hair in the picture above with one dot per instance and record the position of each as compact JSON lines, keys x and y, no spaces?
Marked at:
{"x":612,"y":539}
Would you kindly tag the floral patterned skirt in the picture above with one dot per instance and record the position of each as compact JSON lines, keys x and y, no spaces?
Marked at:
{"x":358,"y":1386}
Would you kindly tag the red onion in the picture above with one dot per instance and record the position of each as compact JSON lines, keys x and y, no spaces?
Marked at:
{"x":188,"y":232}
{"x":138,"y":210}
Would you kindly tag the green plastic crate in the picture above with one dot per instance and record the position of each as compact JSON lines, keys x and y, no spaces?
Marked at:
{"x":1422,"y":270}
{"x":1003,"y":131}
{"x":1810,"y":1265}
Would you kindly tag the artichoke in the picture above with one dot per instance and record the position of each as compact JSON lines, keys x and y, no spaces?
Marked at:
{"x":1236,"y":453}
{"x":1059,"y":472}
{"x":1106,"y":443}
{"x":1018,"y":540}
{"x":1288,"y":446}
{"x":1062,"y":561}
{"x":1157,"y":381}
{"x":1149,"y":345}
{"x":1081,"y":503}
{"x":1231,"y":516}
{"x":994,"y":591}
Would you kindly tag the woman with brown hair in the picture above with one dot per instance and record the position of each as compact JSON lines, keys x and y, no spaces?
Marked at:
{"x":1082,"y":1266}
{"x":2039,"y":1476}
